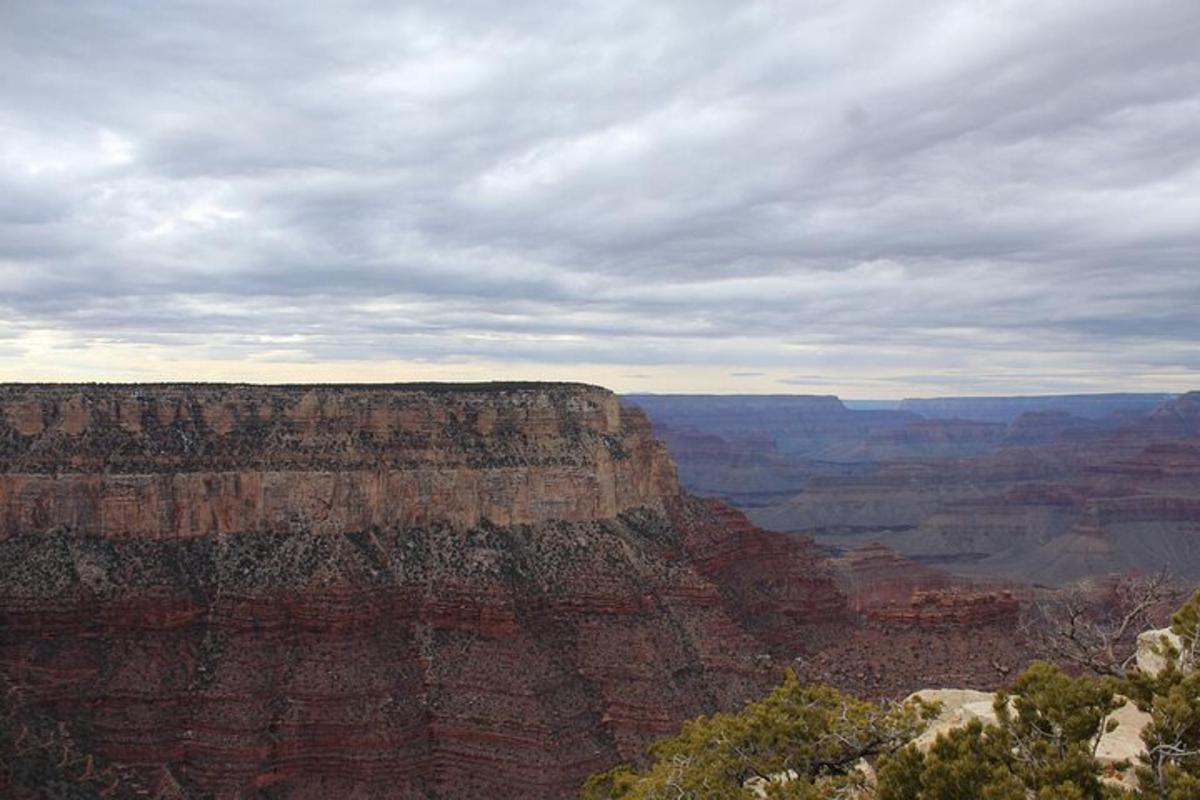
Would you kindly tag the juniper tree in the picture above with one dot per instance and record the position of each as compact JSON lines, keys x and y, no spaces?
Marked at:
{"x":799,"y":742}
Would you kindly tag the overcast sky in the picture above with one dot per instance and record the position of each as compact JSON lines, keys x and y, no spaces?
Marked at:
{"x":876,"y":199}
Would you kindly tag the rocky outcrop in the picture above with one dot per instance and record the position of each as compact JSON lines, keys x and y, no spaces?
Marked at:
{"x":943,"y":607}
{"x":182,"y":461}
{"x":916,"y":624}
{"x":875,"y":576}
{"x":956,"y":709}
{"x":1158,"y":648}
{"x":1117,"y":750}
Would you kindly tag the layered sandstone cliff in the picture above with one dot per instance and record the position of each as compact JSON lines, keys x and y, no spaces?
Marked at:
{"x":180,"y":461}
{"x":368,"y":592}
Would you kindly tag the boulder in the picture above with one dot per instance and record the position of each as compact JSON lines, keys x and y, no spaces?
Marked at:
{"x":959,"y":706}
{"x":1117,"y":750}
{"x":1122,"y":744}
{"x":1151,"y":650}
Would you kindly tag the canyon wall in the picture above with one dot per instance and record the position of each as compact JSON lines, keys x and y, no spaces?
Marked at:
{"x":430,"y":662}
{"x":180,"y":461}
{"x":367,"y":592}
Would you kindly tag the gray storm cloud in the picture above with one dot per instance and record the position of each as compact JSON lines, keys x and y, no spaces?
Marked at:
{"x":881,"y":198}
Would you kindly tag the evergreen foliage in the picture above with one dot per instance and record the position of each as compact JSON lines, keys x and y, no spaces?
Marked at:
{"x":1171,"y":767}
{"x":1042,"y":745}
{"x":799,"y":742}
{"x":812,"y":742}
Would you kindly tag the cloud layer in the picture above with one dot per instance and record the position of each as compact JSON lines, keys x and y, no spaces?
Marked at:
{"x":874,"y":198}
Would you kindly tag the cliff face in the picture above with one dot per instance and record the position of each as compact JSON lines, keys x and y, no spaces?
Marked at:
{"x":369,"y":592}
{"x":187,"y":461}
{"x":496,"y":661}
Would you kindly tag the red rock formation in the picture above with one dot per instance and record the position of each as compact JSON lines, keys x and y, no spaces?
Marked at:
{"x":369,"y":592}
{"x":875,"y":575}
{"x":778,"y":587}
{"x":921,"y":624}
{"x":886,"y":661}
{"x":936,"y":608}
{"x":181,"y":461}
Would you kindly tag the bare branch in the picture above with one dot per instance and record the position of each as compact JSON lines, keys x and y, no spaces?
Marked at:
{"x":1094,"y":626}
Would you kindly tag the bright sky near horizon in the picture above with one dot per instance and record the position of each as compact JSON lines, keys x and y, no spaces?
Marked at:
{"x":873,"y":199}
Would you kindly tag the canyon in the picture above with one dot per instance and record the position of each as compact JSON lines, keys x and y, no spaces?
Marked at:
{"x":1030,"y":490}
{"x":433,"y":591}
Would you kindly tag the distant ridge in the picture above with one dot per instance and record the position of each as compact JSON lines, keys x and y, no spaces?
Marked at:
{"x":1006,"y":409}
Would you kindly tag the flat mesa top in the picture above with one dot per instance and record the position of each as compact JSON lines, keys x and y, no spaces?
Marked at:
{"x":426,"y":386}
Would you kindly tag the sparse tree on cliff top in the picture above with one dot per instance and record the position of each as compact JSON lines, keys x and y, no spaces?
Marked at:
{"x":1170,"y":769}
{"x":1042,"y":746}
{"x":813,"y":736}
{"x":1093,"y":626}
{"x":805,"y":743}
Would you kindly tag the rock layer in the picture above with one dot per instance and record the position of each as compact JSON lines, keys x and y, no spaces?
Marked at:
{"x":497,"y":661}
{"x":368,"y":592}
{"x":179,"y":461}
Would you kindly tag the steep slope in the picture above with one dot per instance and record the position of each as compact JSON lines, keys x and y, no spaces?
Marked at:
{"x":369,"y":592}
